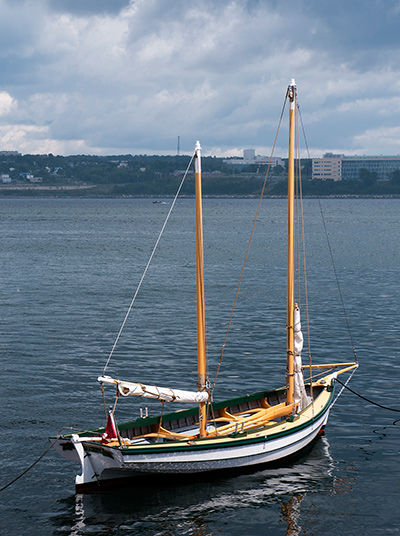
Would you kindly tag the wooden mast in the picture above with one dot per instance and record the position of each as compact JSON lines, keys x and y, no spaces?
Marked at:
{"x":201,"y":316}
{"x":290,"y":250}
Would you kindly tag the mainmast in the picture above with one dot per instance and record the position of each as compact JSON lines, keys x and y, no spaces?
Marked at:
{"x":291,"y":93}
{"x":201,"y":316}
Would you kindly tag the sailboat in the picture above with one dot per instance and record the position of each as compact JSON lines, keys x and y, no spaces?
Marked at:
{"x":212,"y":436}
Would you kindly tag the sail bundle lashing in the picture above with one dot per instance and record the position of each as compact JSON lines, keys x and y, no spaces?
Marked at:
{"x":300,"y":395}
{"x":164,"y":394}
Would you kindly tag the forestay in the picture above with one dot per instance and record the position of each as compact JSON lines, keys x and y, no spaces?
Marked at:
{"x":165,"y":394}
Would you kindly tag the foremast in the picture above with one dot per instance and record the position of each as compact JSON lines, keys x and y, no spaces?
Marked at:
{"x":292,"y":96}
{"x":201,"y":316}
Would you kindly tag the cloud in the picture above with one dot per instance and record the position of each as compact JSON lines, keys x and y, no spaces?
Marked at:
{"x":379,"y":140}
{"x":7,"y":103}
{"x":32,"y":139}
{"x":132,"y":76}
{"x":383,"y":106}
{"x":87,"y":7}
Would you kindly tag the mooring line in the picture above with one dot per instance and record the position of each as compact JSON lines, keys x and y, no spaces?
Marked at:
{"x":36,"y":461}
{"x":367,"y":399}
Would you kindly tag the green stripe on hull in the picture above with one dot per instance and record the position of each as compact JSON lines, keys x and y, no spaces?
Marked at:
{"x":179,"y":447}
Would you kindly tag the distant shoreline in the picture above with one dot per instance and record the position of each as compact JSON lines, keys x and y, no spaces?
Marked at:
{"x":83,"y":192}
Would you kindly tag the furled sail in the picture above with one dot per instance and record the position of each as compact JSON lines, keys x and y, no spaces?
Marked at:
{"x":152,"y":391}
{"x":300,"y":395}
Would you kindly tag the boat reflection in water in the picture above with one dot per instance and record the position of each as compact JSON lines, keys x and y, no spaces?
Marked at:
{"x":291,"y":514}
{"x":271,"y":496}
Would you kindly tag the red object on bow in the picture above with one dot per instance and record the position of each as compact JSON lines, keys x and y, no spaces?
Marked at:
{"x":111,"y":430}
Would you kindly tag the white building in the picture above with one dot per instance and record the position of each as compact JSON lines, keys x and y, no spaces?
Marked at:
{"x":250,"y":157}
{"x":327,"y":168}
{"x":275,"y":160}
{"x":338,"y":167}
{"x":5,"y":178}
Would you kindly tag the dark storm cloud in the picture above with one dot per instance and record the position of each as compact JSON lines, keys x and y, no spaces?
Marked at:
{"x":118,"y":76}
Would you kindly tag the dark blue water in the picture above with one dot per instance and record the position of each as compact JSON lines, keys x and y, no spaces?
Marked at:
{"x":68,"y":271}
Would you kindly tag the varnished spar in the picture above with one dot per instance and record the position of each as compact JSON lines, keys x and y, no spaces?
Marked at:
{"x":290,"y":250}
{"x":201,"y":315}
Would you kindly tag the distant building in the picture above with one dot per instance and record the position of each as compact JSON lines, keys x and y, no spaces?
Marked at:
{"x":383,"y":166}
{"x":250,"y":157}
{"x":327,"y":168}
{"x":5,"y":178}
{"x":338,"y":167}
{"x":29,"y":177}
{"x":275,"y":160}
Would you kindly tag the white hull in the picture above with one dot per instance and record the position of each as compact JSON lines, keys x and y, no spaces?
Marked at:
{"x":102,"y":465}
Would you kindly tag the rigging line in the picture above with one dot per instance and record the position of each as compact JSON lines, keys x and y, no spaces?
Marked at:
{"x":249,"y":243}
{"x":298,"y":207}
{"x":147,"y":267}
{"x":104,"y":400}
{"x":298,"y":267}
{"x":160,"y":421}
{"x":323,"y":373}
{"x":343,"y":387}
{"x":297,"y":177}
{"x":332,"y":258}
{"x":304,"y":254}
{"x":337,"y":283}
{"x":203,"y":305}
{"x":367,"y":399}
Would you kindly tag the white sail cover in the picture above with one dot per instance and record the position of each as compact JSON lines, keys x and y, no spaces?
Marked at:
{"x":300,"y":395}
{"x":152,"y":391}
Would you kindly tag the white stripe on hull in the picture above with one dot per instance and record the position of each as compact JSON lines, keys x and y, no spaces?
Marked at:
{"x":125,"y":465}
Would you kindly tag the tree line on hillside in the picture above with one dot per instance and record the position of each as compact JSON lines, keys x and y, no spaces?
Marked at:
{"x":161,"y":175}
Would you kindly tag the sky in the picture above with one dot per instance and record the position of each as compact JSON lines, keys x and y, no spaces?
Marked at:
{"x":130,"y":76}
